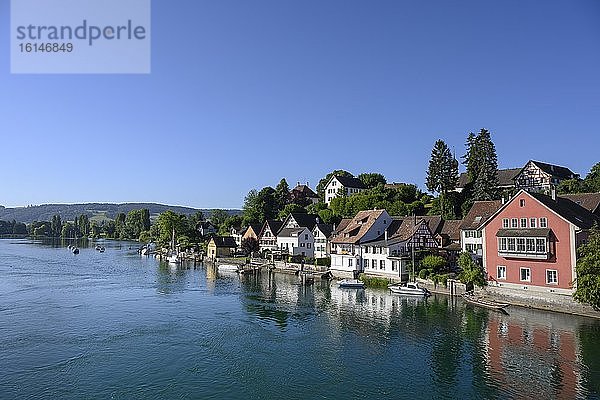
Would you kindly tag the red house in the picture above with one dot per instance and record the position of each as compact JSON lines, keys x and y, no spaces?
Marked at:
{"x":530,"y":242}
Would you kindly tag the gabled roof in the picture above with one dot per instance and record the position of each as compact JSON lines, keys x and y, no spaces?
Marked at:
{"x":451,"y":229}
{"x":569,"y":210}
{"x":589,"y":201}
{"x":303,"y":219}
{"x":565,"y":208}
{"x":273,"y":224}
{"x":256,"y":228}
{"x":326,"y":229}
{"x":303,"y":191}
{"x":205,"y":225}
{"x":435,"y":223}
{"x":555,"y":170}
{"x":348,"y":181}
{"x":505,"y":177}
{"x":400,"y":230}
{"x":224,"y":241}
{"x":479,"y":214}
{"x":357,"y":227}
{"x":341,"y":226}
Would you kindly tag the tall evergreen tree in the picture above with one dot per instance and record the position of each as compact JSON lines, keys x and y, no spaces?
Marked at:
{"x":282,"y":194}
{"x":442,"y":174}
{"x":482,"y":165}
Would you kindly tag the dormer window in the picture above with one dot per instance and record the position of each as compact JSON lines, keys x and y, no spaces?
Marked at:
{"x":522,"y":203}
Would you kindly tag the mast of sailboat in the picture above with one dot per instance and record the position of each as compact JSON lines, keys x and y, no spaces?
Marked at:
{"x":173,"y":241}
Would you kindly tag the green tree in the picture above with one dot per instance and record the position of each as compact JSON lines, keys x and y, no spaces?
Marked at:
{"x":282,"y":194}
{"x":435,"y":264}
{"x":442,"y":174}
{"x":120,"y":226}
{"x":259,"y":206}
{"x":56,"y":226}
{"x":372,"y":179}
{"x":482,"y":165}
{"x":249,"y":245}
{"x":290,"y":208}
{"x":83,"y":225}
{"x":323,"y":182}
{"x":591,"y":183}
{"x":471,"y":274}
{"x":218,"y":218}
{"x":166,"y":222}
{"x":588,"y":270}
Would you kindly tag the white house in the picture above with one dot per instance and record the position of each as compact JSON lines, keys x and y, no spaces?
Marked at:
{"x":346,"y":252}
{"x":342,"y":184}
{"x":296,"y":241}
{"x":471,"y":240}
{"x":389,"y":255}
{"x":321,"y":234}
{"x":267,"y":239}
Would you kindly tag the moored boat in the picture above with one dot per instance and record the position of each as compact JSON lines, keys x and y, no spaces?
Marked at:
{"x":227,"y":267}
{"x":351,"y":283}
{"x":409,"y":289}
{"x":479,"y":301}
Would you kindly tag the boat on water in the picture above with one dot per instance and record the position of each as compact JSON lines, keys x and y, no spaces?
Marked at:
{"x":351,"y":284}
{"x":408,"y":289}
{"x":227,"y":267}
{"x":75,"y":250}
{"x":173,"y":256}
{"x":480,"y":301}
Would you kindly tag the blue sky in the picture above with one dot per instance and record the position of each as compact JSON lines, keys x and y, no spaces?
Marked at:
{"x":243,"y":93}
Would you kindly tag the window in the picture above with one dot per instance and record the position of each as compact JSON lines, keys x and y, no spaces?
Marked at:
{"x":522,"y":203}
{"x":502,"y":244}
{"x":308,"y":245}
{"x":543,"y":222}
{"x":511,"y":244}
{"x":394,"y":265}
{"x":515,"y":223}
{"x":523,"y":222}
{"x":551,"y":277}
{"x":533,"y":223}
{"x":381,"y":264}
{"x":530,"y":245}
{"x":367,"y":249}
{"x":501,"y":272}
{"x":374,"y":264}
{"x":505,"y":223}
{"x":525,"y":274}
{"x":349,"y":262}
{"x":540,"y":246}
{"x":306,"y":236}
{"x":301,"y":244}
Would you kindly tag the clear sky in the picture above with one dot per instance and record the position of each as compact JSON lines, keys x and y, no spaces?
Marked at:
{"x":243,"y":93}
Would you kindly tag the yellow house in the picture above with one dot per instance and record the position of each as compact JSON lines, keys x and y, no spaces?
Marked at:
{"x":221,"y":246}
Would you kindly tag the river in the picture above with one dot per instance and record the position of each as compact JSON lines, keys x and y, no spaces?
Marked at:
{"x":115,"y":325}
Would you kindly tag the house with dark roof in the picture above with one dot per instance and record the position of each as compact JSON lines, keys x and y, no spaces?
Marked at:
{"x":471,"y":240}
{"x":390,"y":254}
{"x":589,"y":201}
{"x":321,"y":233}
{"x":206,"y":228}
{"x":267,"y":239}
{"x":221,"y":246}
{"x":303,"y":195}
{"x":346,"y":251}
{"x":296,"y":241}
{"x":538,"y":176}
{"x":506,"y":179}
{"x":530,"y":243}
{"x":296,"y":220}
{"x":342,"y":185}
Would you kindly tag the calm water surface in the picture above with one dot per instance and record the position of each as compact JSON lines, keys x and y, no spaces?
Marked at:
{"x":115,"y":325}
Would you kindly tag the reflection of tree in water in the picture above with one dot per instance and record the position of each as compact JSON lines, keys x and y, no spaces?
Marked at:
{"x":589,"y":339}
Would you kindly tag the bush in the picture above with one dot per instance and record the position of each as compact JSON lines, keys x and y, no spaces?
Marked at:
{"x":424,"y":273}
{"x":374,"y":281}
{"x":440,"y":278}
{"x":434,"y":263}
{"x":323,"y":262}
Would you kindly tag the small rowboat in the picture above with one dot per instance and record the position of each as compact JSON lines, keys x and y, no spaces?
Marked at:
{"x":494,"y":305}
{"x":351,"y":284}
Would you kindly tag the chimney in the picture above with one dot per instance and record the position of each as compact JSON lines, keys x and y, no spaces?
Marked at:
{"x":298,"y":184}
{"x":503,"y":200}
{"x":307,"y":184}
{"x":553,"y":192}
{"x":386,"y":235}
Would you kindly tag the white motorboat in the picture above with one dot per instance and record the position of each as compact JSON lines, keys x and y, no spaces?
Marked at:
{"x":408,"y":288}
{"x":227,"y":267}
{"x":351,"y":283}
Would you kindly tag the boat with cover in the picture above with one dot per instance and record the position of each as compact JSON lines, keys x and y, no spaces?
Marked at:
{"x":409,"y":289}
{"x":227,"y":267}
{"x":351,"y":283}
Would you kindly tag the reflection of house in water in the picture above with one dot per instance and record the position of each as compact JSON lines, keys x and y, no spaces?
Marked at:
{"x":535,"y":360}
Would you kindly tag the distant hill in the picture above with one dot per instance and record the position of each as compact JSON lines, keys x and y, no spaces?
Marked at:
{"x":95,"y":211}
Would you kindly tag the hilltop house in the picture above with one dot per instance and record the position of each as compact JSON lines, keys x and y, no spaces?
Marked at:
{"x":506,"y":179}
{"x":221,"y":246}
{"x":537,"y":176}
{"x":470,"y":236}
{"x":337,"y":185}
{"x":531,"y":243}
{"x":346,"y":252}
{"x":303,"y":195}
